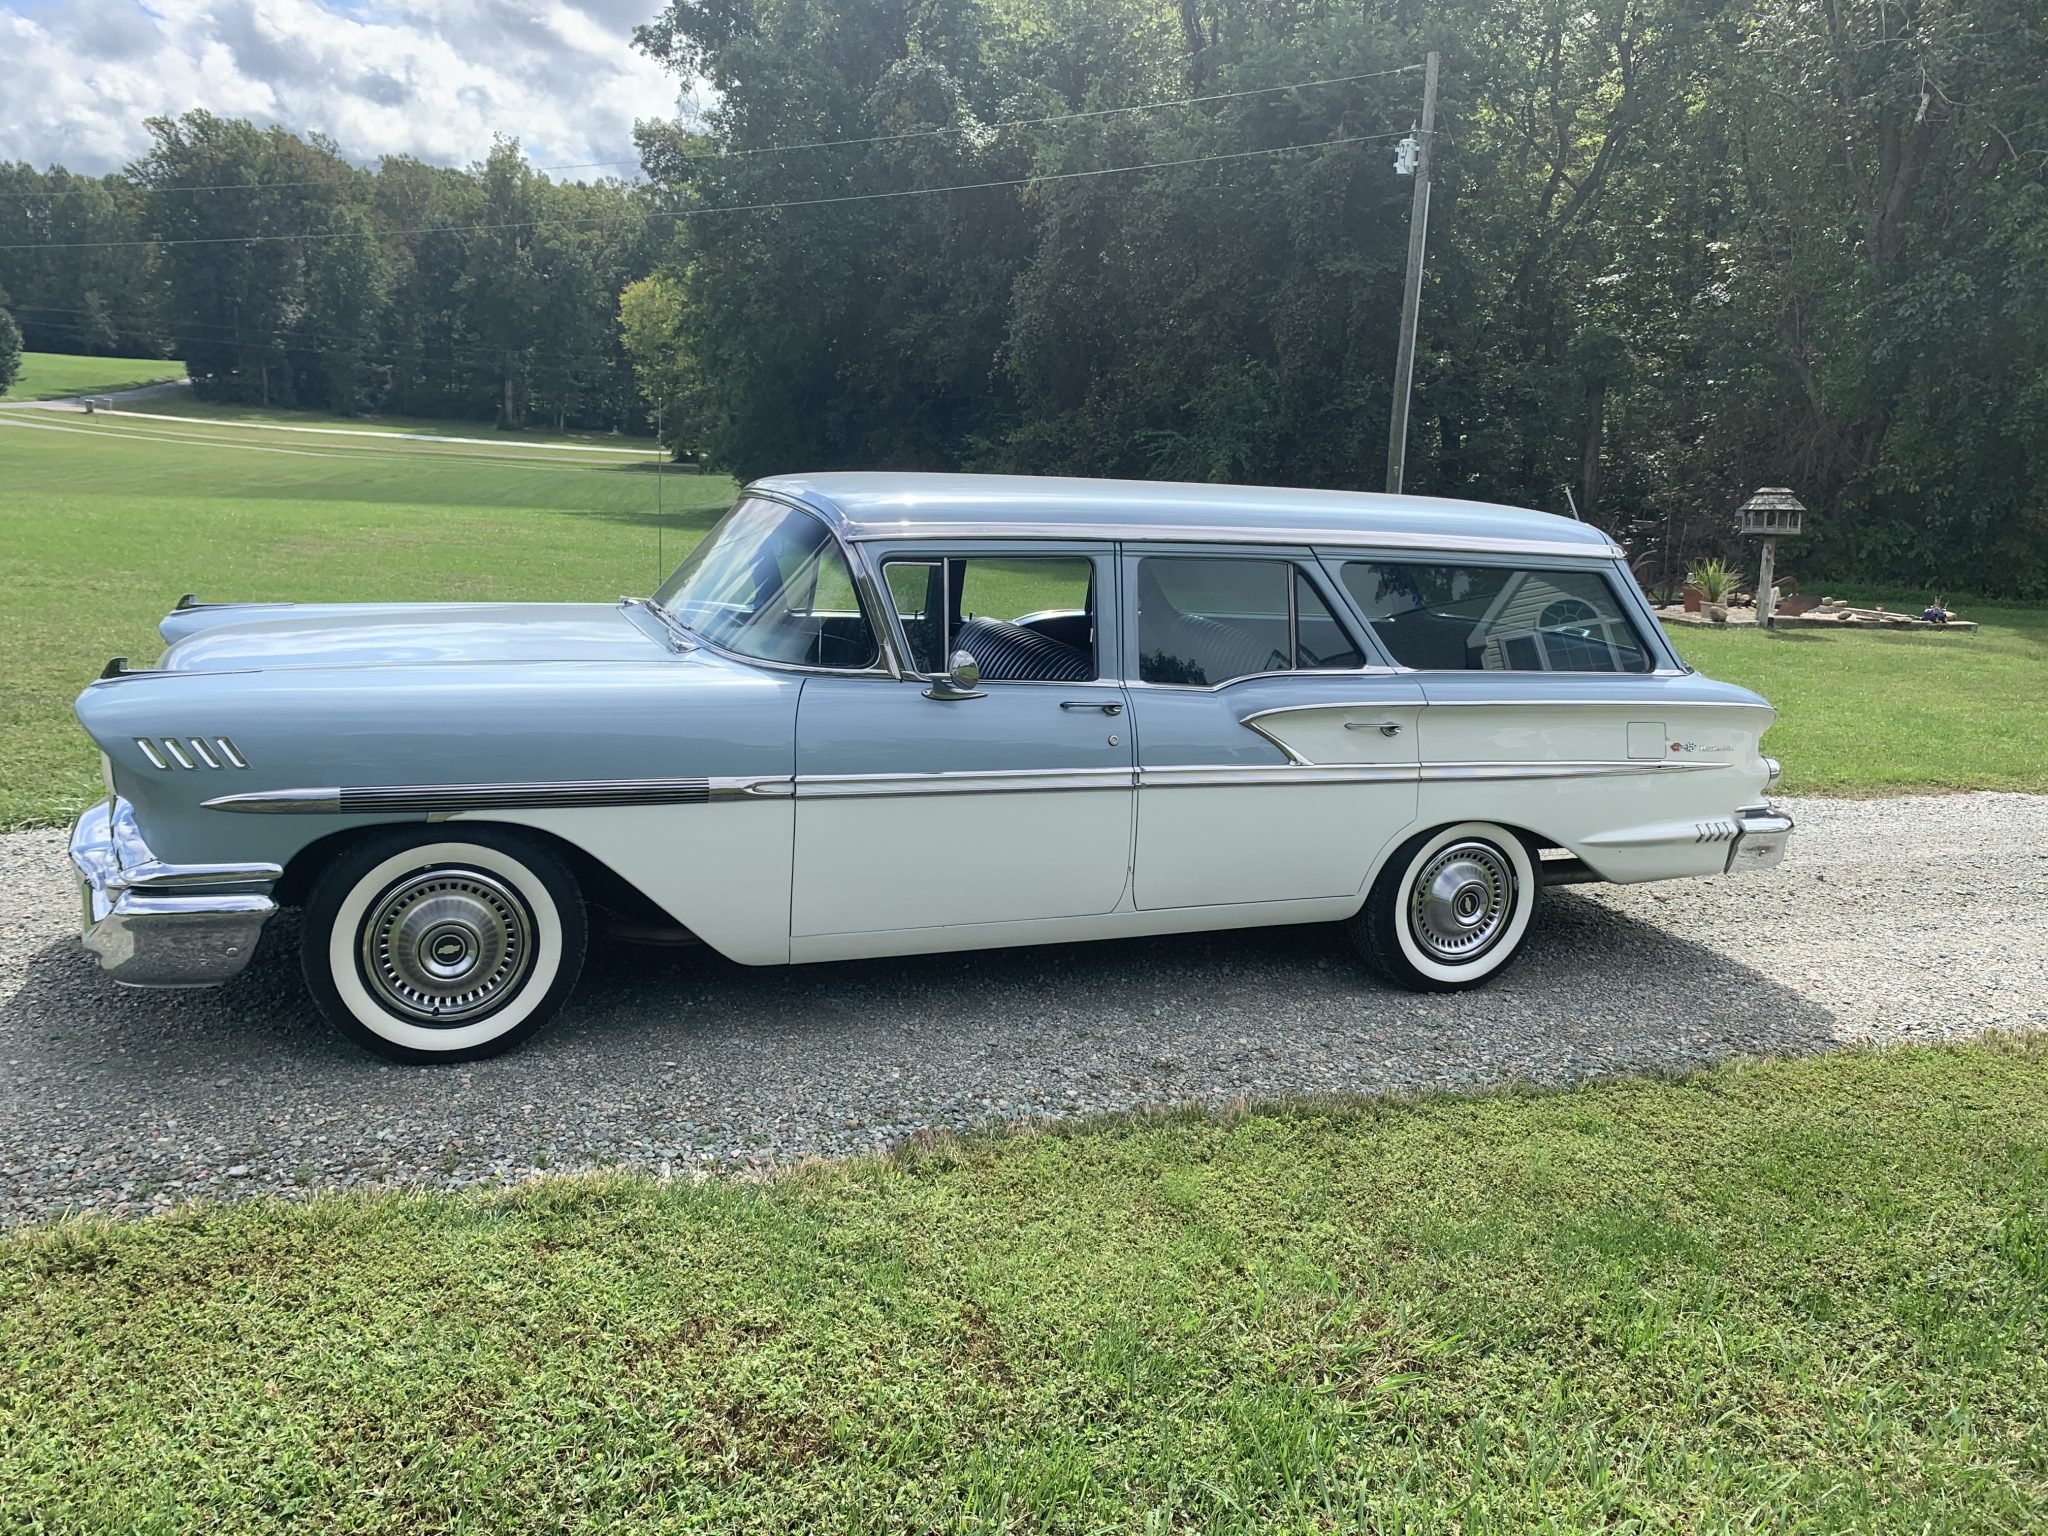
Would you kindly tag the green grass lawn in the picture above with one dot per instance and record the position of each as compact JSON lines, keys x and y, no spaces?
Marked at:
{"x":52,"y":375}
{"x":105,"y":522}
{"x":1876,"y":713}
{"x":1801,"y":1296}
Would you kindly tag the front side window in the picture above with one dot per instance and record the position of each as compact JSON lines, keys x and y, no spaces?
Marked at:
{"x":1485,"y":618}
{"x":1204,"y":621}
{"x":770,"y":582}
{"x":1024,"y":619}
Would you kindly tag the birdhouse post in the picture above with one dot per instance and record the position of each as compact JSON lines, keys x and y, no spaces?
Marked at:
{"x":1773,"y":513}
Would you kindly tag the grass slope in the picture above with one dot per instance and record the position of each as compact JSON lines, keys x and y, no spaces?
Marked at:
{"x":52,"y":375}
{"x":1793,"y":1297}
{"x":106,"y":521}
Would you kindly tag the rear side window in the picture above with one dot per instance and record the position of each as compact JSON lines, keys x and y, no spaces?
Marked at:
{"x":1205,"y":621}
{"x":1487,"y":618}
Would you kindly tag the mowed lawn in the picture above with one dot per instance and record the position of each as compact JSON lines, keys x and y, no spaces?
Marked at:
{"x":52,"y":375}
{"x":1801,"y":1296}
{"x":106,"y":520}
{"x":1875,"y":713}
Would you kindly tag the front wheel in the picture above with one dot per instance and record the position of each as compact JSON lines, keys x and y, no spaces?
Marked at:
{"x":1450,"y":909}
{"x":444,"y":945}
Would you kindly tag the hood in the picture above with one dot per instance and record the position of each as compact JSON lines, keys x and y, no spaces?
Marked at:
{"x":266,"y":635}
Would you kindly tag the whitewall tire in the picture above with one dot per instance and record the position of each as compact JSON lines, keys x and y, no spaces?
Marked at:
{"x":443,"y":944}
{"x":1450,"y":909}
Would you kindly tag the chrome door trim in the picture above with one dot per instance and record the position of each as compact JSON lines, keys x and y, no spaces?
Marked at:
{"x":445,"y":799}
{"x":1298,"y":772}
{"x":836,"y":786}
{"x":449,"y":799}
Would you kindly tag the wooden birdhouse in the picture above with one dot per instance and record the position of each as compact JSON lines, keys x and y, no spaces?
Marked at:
{"x":1773,"y":513}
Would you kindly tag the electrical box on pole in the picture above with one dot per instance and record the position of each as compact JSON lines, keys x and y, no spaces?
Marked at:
{"x":1414,"y":151}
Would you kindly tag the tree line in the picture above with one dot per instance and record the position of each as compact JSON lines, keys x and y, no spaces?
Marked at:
{"x":1678,"y":249}
{"x":285,"y":276}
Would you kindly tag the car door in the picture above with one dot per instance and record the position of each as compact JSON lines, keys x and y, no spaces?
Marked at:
{"x":1276,"y":758}
{"x":916,"y":809}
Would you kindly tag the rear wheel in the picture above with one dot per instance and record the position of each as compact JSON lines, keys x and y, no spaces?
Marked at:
{"x":443,"y":945}
{"x":1450,"y":909}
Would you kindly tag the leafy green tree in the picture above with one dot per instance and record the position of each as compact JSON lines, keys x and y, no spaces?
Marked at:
{"x":10,"y":347}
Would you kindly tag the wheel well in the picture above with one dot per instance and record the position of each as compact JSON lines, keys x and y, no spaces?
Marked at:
{"x":1534,"y":843}
{"x":601,"y":885}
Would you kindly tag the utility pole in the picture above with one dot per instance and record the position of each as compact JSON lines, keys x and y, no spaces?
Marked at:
{"x":1411,"y":298}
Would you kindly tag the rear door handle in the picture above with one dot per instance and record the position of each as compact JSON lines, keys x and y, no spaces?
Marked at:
{"x":1107,"y":709}
{"x":1384,"y":727}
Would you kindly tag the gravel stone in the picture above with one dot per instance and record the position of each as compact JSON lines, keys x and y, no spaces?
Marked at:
{"x":1916,"y":919}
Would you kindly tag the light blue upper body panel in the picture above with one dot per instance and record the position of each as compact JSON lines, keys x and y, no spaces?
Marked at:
{"x":864,"y":506}
{"x":266,"y":635}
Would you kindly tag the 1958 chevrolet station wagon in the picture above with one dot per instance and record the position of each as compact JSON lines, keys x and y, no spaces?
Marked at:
{"x":879,"y":714}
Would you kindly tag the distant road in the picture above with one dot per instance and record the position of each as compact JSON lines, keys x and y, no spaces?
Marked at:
{"x":119,"y":397}
{"x":122,"y":399}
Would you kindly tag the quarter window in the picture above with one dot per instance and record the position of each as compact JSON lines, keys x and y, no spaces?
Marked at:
{"x":1204,"y":621}
{"x":1481,"y":618}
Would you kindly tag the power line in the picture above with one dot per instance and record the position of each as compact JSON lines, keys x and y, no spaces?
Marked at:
{"x":1041,"y":179}
{"x":793,"y":148}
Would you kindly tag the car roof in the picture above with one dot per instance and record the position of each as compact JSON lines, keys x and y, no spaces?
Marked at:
{"x":879,"y":505}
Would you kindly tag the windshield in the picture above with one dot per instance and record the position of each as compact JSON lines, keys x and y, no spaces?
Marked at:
{"x":770,"y":582}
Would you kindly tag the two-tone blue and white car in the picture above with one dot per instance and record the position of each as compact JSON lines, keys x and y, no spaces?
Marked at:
{"x":885,"y":714}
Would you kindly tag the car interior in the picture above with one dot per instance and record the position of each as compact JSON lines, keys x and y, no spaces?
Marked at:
{"x":1205,"y":621}
{"x":1039,"y":645}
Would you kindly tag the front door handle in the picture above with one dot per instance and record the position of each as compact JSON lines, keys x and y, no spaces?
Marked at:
{"x":1107,"y":709}
{"x":1384,"y":727}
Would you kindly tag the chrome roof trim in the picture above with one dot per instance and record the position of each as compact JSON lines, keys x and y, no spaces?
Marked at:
{"x":869,"y":532}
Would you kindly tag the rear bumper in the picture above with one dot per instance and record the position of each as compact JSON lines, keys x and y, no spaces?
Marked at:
{"x":153,"y":924}
{"x":1762,"y":834}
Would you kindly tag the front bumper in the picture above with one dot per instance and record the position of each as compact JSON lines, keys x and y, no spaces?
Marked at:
{"x":1762,"y":834}
{"x":154,"y":924}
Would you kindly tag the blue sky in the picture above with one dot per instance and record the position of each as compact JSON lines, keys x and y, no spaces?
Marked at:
{"x":432,"y":78}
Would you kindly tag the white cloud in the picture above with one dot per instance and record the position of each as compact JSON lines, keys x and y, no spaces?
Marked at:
{"x":432,"y":78}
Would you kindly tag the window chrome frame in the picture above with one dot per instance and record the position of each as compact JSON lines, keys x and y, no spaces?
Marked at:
{"x":1627,"y":596}
{"x":1306,"y":561}
{"x":876,"y":554}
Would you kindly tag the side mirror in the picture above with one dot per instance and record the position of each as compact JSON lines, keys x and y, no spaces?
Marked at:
{"x":962,"y":679}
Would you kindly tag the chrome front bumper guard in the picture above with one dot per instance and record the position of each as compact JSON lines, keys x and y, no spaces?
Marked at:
{"x":1762,"y":833}
{"x":154,"y":924}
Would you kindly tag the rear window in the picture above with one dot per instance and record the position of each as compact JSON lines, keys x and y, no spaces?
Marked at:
{"x":1496,"y":618}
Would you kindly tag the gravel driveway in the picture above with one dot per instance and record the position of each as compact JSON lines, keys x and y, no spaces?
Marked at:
{"x":1911,"y":919}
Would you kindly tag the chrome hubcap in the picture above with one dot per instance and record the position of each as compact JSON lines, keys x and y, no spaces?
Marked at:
{"x":1461,"y":901}
{"x":445,"y":945}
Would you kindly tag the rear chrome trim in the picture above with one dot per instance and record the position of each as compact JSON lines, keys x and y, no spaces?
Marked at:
{"x":1763,"y":832}
{"x":446,"y":799}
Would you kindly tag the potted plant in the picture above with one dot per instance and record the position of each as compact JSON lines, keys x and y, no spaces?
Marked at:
{"x":1716,"y":583}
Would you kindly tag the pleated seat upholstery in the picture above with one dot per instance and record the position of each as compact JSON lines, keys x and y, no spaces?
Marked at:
{"x":1010,"y":653}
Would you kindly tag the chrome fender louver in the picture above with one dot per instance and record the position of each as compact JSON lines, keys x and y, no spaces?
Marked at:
{"x":191,"y":752}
